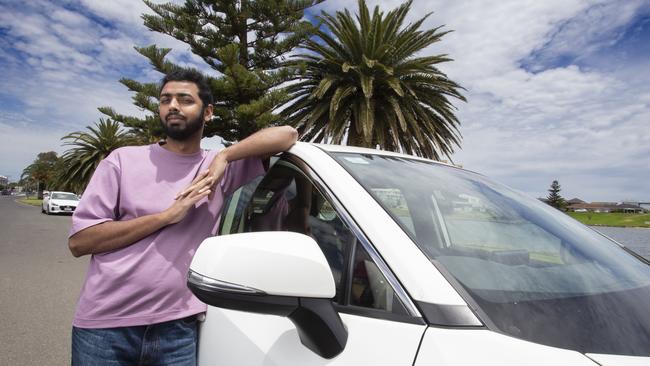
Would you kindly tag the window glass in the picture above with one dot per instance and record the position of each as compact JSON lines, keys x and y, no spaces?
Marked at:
{"x":395,"y":201}
{"x":535,"y":273}
{"x":65,"y":196}
{"x":233,"y":212}
{"x":286,"y":200}
{"x":369,"y":286}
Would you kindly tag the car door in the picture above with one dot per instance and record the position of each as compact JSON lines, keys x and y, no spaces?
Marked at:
{"x":384,"y":327}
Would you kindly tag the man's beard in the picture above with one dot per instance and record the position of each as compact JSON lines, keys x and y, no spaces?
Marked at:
{"x":183,"y":133}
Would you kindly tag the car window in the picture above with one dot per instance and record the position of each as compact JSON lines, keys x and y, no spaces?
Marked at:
{"x":65,"y":196}
{"x":286,"y":200}
{"x":232,"y":217}
{"x":514,"y":257}
{"x":369,"y":287}
{"x":394,"y":200}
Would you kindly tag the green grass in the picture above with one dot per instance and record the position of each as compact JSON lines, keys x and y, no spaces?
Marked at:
{"x":612,"y":219}
{"x":31,"y":201}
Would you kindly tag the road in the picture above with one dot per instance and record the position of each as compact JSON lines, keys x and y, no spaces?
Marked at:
{"x":39,"y":285}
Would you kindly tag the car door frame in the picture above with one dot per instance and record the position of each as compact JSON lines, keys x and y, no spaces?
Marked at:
{"x":414,"y":315}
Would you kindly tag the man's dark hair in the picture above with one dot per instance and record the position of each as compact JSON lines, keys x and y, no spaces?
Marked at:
{"x":192,"y":76}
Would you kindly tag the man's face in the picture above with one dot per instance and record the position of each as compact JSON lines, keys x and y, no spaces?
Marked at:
{"x":181,"y":110}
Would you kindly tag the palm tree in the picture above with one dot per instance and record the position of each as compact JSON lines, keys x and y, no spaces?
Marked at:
{"x":41,"y":172}
{"x":89,"y":149}
{"x":363,"y":84}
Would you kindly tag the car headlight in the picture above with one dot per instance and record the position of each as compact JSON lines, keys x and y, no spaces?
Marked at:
{"x":54,"y":205}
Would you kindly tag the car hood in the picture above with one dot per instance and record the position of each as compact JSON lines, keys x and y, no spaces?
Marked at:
{"x":64,"y":202}
{"x":472,"y":346}
{"x":619,"y":360}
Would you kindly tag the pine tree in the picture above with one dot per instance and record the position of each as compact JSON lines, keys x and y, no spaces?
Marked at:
{"x":245,"y":41}
{"x":554,"y":198}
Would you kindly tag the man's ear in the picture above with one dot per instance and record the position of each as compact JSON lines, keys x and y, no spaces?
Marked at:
{"x":207,"y":116}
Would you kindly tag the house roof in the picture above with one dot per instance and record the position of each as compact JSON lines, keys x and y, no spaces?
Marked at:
{"x":629,"y":206}
{"x":603,"y":205}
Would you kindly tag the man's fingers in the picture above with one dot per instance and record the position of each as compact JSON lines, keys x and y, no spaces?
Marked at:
{"x":199,"y":196}
{"x":200,"y":176}
{"x":199,"y":185}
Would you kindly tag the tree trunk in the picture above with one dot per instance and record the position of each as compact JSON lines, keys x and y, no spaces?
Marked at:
{"x":243,"y":34}
{"x":356,"y":139}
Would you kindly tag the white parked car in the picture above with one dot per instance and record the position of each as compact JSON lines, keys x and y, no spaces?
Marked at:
{"x":59,"y":202}
{"x":348,"y":256}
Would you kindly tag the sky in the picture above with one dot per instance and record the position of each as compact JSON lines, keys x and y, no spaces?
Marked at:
{"x":556,"y":89}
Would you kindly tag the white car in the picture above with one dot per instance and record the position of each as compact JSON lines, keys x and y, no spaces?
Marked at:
{"x":348,"y":256}
{"x":59,"y":202}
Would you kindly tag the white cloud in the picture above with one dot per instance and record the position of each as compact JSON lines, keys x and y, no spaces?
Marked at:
{"x":528,"y":119}
{"x":60,"y":64}
{"x":587,"y":128}
{"x":597,"y":27}
{"x":20,"y":140}
{"x":127,"y":12}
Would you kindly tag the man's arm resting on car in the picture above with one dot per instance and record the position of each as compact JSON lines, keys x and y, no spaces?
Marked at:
{"x":263,"y":143}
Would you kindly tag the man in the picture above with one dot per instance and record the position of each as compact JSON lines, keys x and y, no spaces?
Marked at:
{"x":142,"y":216}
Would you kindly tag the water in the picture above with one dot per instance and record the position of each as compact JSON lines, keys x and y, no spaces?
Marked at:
{"x":637,"y":239}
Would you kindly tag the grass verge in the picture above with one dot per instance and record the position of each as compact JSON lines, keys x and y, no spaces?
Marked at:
{"x":31,"y":201}
{"x":612,"y":219}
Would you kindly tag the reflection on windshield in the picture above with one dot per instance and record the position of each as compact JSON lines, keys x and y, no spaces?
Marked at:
{"x":527,"y":266}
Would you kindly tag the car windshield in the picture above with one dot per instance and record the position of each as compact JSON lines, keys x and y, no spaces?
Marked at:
{"x":65,"y":196}
{"x":532,"y":271}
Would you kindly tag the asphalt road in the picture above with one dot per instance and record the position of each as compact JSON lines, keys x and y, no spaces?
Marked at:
{"x":39,"y":285}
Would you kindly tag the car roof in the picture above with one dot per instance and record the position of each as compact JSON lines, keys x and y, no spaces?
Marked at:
{"x":63,"y":192}
{"x":364,"y":150}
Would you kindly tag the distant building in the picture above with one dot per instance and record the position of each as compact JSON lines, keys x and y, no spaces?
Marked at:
{"x":625,"y":207}
{"x":575,"y":201}
{"x":3,"y":180}
{"x":644,"y":205}
{"x":629,"y":208}
{"x":576,"y":205}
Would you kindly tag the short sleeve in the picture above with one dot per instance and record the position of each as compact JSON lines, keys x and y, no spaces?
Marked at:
{"x":100,"y":201}
{"x":240,"y":172}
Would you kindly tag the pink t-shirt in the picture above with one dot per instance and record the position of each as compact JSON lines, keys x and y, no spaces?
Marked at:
{"x":145,"y":282}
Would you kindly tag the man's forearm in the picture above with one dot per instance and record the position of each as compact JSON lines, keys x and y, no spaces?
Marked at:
{"x":262,"y":143}
{"x":112,"y":235}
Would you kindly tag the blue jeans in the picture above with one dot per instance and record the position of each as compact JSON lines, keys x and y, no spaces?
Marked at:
{"x":169,"y":343}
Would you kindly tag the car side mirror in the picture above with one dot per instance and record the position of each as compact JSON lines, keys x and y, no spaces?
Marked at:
{"x":279,"y":273}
